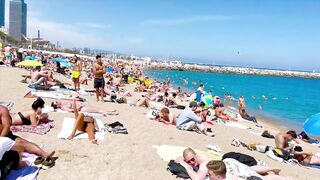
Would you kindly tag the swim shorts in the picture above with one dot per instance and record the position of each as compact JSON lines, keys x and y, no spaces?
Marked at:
{"x":98,"y":83}
{"x":75,"y":74}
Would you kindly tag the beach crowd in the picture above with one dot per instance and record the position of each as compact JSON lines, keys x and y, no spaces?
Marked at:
{"x":50,"y":75}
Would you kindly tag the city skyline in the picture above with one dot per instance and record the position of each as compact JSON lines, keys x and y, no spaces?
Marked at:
{"x":272,"y":34}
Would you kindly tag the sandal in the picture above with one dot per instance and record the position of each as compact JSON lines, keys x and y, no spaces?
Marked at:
{"x":48,"y":163}
{"x":38,"y":162}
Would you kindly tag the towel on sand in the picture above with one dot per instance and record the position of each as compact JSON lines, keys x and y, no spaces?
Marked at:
{"x":48,"y":109}
{"x":67,"y":126}
{"x":236,"y":125}
{"x":168,"y":152}
{"x":41,"y":128}
{"x":52,"y":95}
{"x":26,"y":173}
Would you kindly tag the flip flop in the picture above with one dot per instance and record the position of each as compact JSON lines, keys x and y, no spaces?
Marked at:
{"x":48,"y":163}
{"x":38,"y":162}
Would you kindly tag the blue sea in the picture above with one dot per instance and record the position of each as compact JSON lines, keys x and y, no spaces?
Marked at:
{"x":285,"y":101}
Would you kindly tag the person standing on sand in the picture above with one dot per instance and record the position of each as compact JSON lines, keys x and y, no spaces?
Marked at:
{"x":99,"y":83}
{"x":76,"y":72}
{"x":241,"y":104}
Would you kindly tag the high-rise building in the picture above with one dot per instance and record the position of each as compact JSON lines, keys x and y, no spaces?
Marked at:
{"x":17,"y":19}
{"x":2,"y":12}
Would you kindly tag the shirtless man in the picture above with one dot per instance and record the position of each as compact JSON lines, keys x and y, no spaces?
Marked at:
{"x":282,"y":140}
{"x":76,"y":72}
{"x":98,"y":71}
{"x":166,"y":117}
{"x":32,"y":148}
{"x":195,"y":164}
{"x":38,"y":76}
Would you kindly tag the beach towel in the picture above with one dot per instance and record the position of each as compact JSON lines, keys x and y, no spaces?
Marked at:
{"x":42,"y":128}
{"x":52,"y":95}
{"x":26,"y":173}
{"x":48,"y":109}
{"x":67,"y":126}
{"x":236,"y":125}
{"x":168,"y":152}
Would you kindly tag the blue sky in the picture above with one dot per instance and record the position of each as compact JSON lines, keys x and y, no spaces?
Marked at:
{"x":266,"y":33}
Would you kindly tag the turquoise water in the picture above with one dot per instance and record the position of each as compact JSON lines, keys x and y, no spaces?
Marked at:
{"x":288,"y":101}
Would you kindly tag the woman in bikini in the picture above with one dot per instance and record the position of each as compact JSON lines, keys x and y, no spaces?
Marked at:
{"x":83,"y":123}
{"x":81,"y":107}
{"x":30,"y":117}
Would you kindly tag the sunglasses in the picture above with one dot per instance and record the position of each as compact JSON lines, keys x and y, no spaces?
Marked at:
{"x":191,"y":160}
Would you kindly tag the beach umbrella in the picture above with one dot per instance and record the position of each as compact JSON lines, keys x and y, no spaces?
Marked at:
{"x":207,"y":99}
{"x":65,"y":64}
{"x":59,"y":60}
{"x":312,"y":125}
{"x":29,"y":63}
{"x":30,"y":58}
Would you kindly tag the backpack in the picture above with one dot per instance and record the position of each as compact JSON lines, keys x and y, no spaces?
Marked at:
{"x":177,"y":169}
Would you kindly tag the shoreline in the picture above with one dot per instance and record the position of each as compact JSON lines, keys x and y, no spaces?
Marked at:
{"x":266,"y":121}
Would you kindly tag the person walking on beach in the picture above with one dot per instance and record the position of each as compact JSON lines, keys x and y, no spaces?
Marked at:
{"x":99,"y":83}
{"x":76,"y":72}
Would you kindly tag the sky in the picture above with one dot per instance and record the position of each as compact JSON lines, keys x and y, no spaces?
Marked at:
{"x":259,"y":33}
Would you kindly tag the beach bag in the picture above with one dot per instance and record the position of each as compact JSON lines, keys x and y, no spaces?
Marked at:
{"x":243,"y":158}
{"x":178,"y":170}
{"x":282,"y":154}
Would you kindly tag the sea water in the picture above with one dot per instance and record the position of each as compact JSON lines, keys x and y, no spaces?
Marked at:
{"x":284,"y":100}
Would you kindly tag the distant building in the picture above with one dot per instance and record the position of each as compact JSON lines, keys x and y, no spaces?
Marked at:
{"x":18,"y":19}
{"x":2,"y":12}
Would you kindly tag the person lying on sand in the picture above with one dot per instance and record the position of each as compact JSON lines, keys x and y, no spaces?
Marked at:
{"x":32,"y":148}
{"x":189,"y":121}
{"x":166,"y":116}
{"x":233,"y":169}
{"x":194,"y":164}
{"x":38,"y":77}
{"x":83,"y":123}
{"x":81,"y":107}
{"x":219,"y":112}
{"x":282,"y":140}
{"x":307,"y":158}
{"x":246,"y":116}
{"x":30,"y":117}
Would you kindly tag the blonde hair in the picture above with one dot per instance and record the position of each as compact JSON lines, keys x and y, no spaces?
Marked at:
{"x":187,"y":151}
{"x":217,"y":167}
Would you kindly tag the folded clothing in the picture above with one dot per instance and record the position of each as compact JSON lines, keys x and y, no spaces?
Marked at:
{"x":116,"y":128}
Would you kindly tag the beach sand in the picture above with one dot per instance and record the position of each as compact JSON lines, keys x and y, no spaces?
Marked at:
{"x":129,"y":156}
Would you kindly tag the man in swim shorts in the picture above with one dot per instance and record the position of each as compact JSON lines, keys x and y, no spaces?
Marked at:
{"x":76,"y":72}
{"x":99,"y":83}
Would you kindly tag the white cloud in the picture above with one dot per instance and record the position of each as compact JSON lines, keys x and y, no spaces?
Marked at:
{"x":188,"y":20}
{"x":66,"y":34}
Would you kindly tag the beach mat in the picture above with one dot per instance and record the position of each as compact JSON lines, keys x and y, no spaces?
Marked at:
{"x":168,"y":152}
{"x":67,"y":126}
{"x":52,"y":95}
{"x":41,"y":128}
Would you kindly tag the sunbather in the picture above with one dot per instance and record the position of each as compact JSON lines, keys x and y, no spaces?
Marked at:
{"x":32,"y":148}
{"x":81,"y":107}
{"x":233,"y":169}
{"x":83,"y":123}
{"x":195,"y":164}
{"x":307,"y":158}
{"x":166,"y":116}
{"x":219,"y":112}
{"x":38,"y":77}
{"x":30,"y":117}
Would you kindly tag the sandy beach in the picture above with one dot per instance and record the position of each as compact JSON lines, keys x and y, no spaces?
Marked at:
{"x":131,"y":156}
